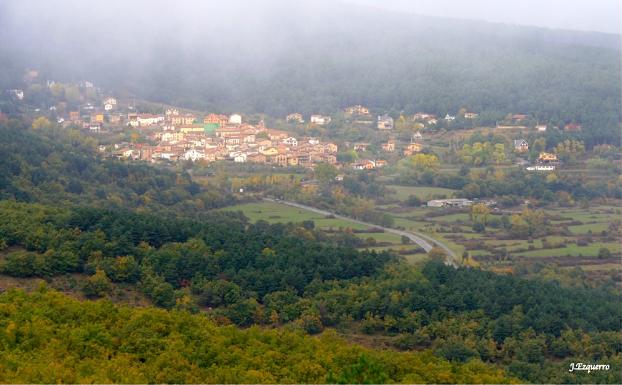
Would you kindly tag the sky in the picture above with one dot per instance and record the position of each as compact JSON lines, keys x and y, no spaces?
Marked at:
{"x":580,"y":15}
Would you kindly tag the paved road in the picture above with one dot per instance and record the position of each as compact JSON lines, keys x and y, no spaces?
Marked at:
{"x":422,"y":240}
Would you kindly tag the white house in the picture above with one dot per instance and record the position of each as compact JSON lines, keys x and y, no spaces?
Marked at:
{"x":541,"y":168}
{"x":541,"y":127}
{"x":385,"y":122}
{"x":320,"y":119}
{"x":19,"y":94}
{"x":291,"y":141}
{"x":194,"y":155}
{"x":449,"y":118}
{"x":459,"y":202}
{"x":110,"y":103}
{"x":235,"y":119}
{"x":295,"y":117}
{"x":240,"y":158}
{"x":149,"y":120}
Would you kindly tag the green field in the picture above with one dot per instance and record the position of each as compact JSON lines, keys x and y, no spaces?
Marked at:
{"x":573,"y":250}
{"x":587,"y":228}
{"x":279,"y":213}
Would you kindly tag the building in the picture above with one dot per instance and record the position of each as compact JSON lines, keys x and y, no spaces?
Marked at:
{"x":364,"y":165}
{"x":97,"y":118}
{"x":541,"y":168}
{"x":277,"y":134}
{"x":541,"y":127}
{"x":359,"y":147}
{"x":320,"y":119}
{"x":521,"y":145}
{"x":573,"y":127}
{"x":547,"y":157}
{"x":295,"y":117}
{"x":412,"y":148}
{"x":189,"y":128}
{"x":291,"y":141}
{"x":74,"y":116}
{"x":470,"y":115}
{"x":356,"y":110}
{"x":389,"y":146}
{"x":458,"y":202}
{"x":110,"y":104}
{"x":172,"y":136}
{"x":449,"y":118}
{"x":385,"y":122}
{"x":145,"y":120}
{"x":194,"y":155}
{"x":183,"y":119}
{"x":221,"y":120}
{"x":17,"y":94}
{"x":235,"y":119}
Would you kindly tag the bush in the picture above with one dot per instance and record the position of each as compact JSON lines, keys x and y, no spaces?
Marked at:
{"x":479,"y":227}
{"x":604,"y":253}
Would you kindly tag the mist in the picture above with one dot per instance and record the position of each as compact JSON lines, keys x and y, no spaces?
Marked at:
{"x":276,"y":56}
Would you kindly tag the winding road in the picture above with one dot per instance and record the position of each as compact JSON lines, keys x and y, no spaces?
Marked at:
{"x":422,"y":240}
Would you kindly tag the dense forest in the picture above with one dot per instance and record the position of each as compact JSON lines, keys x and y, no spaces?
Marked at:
{"x":275,"y":275}
{"x":320,"y":57}
{"x":53,"y":165}
{"x":152,"y":239}
{"x":47,"y":337}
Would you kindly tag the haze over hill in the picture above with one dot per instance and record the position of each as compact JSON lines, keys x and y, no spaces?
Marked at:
{"x":314,"y":56}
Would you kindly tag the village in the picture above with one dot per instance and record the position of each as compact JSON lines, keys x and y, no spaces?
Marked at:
{"x":178,"y":135}
{"x":172,"y":134}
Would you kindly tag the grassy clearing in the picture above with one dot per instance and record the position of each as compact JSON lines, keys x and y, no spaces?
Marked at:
{"x":587,"y":228}
{"x":382,"y":237}
{"x":278,"y":213}
{"x":573,"y":250}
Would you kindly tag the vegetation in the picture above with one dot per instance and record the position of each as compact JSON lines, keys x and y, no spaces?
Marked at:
{"x":47,"y":337}
{"x":60,"y":166}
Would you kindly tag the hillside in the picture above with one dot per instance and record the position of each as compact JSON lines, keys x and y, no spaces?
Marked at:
{"x":268,"y":275}
{"x":99,"y":342}
{"x":319,"y":57}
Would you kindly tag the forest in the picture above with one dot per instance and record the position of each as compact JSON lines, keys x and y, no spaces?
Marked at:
{"x":53,"y":165}
{"x":275,"y":275}
{"x":47,"y":337}
{"x":213,"y":270}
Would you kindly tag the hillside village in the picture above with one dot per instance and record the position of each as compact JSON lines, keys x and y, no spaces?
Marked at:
{"x":178,"y":135}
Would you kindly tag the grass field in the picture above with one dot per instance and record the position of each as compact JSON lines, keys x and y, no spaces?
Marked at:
{"x":278,"y":213}
{"x":573,"y":250}
{"x":587,"y":228}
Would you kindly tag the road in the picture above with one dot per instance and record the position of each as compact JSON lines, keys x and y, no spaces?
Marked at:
{"x":422,"y":240}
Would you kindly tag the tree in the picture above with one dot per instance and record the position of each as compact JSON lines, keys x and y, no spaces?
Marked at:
{"x":436,"y":253}
{"x":325,"y":173}
{"x":479,"y":213}
{"x":604,"y":253}
{"x":41,"y":123}
{"x":97,"y":285}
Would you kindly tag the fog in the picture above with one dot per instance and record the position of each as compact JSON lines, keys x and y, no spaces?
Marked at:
{"x":272,"y":54}
{"x":582,"y":15}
